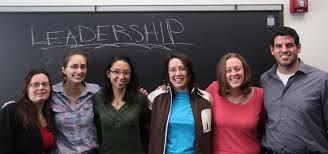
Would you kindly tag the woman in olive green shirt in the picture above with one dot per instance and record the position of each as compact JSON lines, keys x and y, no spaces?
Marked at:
{"x":121,"y":113}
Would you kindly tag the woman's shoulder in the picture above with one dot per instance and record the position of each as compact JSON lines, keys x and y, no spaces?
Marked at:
{"x":156,"y":93}
{"x":58,"y":87}
{"x":92,"y":84}
{"x":141,"y":96}
{"x":92,"y":87}
{"x":258,"y":95}
{"x":141,"y":99}
{"x":205,"y":95}
{"x":214,"y":84}
{"x":99,"y":95}
{"x":10,"y":105}
{"x":9,"y":108}
{"x":213,"y":87}
{"x":258,"y":90}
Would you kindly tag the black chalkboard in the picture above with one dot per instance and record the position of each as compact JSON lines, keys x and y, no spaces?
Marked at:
{"x":34,"y":40}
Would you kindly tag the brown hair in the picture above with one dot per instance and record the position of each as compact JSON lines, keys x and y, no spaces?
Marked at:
{"x":224,"y":88}
{"x":26,"y":109}
{"x":188,"y":65}
{"x":68,"y":58}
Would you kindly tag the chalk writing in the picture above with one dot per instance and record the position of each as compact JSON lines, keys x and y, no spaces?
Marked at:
{"x":161,"y":35}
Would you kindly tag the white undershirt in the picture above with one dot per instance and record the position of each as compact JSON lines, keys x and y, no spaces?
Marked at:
{"x":284,"y":77}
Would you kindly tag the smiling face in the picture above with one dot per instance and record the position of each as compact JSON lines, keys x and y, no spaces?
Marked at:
{"x":285,"y":51}
{"x":119,"y":74}
{"x":234,"y":72}
{"x":178,"y":75}
{"x":76,"y":69}
{"x":39,"y":88}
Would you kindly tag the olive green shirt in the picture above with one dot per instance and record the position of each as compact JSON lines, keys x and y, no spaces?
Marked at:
{"x":122,"y":131}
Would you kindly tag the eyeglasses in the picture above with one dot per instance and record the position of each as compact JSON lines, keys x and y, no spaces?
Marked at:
{"x":76,"y":67}
{"x":180,"y":69}
{"x":38,"y":84}
{"x":117,"y":72}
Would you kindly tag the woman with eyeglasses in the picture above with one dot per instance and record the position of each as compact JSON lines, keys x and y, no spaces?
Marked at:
{"x":72,"y":104}
{"x":181,"y":113}
{"x":26,"y":126}
{"x":121,"y":113}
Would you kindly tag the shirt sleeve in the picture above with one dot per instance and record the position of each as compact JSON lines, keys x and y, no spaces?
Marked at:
{"x":96,"y":121}
{"x":153,"y":95}
{"x":325,"y":102}
{"x":212,"y":88}
{"x":262,"y":122}
{"x":7,"y":128}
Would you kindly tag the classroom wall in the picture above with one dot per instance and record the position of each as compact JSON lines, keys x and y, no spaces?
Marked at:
{"x":311,"y":26}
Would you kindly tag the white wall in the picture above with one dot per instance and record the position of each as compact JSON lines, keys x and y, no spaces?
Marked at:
{"x":311,"y":26}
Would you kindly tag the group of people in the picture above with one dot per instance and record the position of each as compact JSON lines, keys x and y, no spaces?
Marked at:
{"x":289,"y":114}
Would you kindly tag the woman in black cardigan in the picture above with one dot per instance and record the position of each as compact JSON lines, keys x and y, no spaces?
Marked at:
{"x":25,"y":126}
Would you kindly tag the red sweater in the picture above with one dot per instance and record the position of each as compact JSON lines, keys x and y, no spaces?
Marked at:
{"x":48,"y":139}
{"x":235,"y":126}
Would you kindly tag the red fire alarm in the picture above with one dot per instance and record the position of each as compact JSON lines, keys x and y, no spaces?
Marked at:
{"x":298,"y":6}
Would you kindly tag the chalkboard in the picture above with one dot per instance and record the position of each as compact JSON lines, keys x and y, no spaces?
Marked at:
{"x":42,"y":39}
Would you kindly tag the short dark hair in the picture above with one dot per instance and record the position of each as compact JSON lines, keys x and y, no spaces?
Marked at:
{"x":26,"y":109}
{"x":224,"y":88}
{"x":131,"y":87}
{"x":187,"y":64}
{"x":283,"y":31}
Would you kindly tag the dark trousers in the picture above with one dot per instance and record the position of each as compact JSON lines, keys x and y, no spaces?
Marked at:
{"x":265,"y":150}
{"x":269,"y":151}
{"x":93,"y":151}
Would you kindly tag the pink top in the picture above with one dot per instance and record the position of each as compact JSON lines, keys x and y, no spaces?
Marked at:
{"x":235,"y":125}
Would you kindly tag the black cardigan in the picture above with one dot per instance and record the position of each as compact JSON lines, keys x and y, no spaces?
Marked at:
{"x":14,"y":138}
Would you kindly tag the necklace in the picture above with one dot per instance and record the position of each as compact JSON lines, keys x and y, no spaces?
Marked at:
{"x":118,"y":103}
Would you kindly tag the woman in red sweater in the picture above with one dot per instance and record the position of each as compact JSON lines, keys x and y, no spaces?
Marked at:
{"x":238,"y":111}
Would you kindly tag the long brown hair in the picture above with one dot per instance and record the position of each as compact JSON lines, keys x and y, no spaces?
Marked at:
{"x":224,"y":88}
{"x":27,"y":111}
